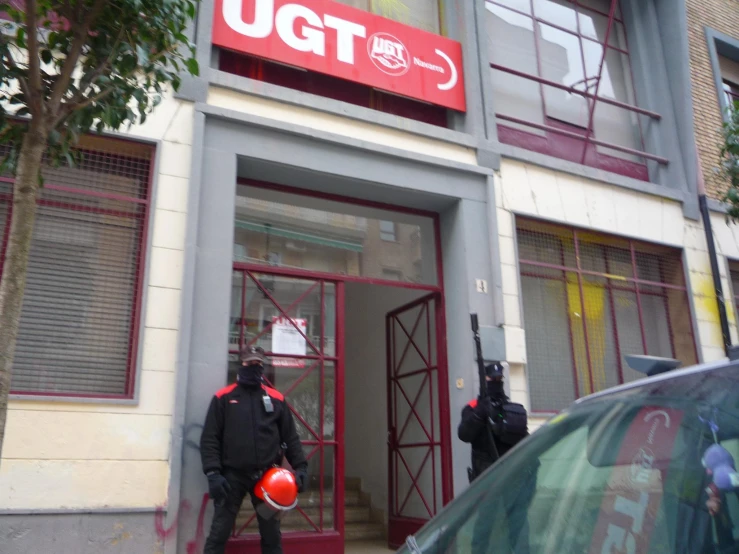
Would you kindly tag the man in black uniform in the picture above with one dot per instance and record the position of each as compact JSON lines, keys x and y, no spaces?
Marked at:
{"x":246,"y":431}
{"x":475,"y":418}
{"x":516,"y":498}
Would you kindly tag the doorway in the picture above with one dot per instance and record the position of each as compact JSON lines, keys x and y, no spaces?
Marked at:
{"x":396,"y":416}
{"x":320,"y":284}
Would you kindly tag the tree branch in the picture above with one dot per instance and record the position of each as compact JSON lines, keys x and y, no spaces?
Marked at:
{"x":70,"y":107}
{"x":8,"y":55}
{"x":98,"y":71}
{"x":35,"y":98}
{"x":73,"y":56}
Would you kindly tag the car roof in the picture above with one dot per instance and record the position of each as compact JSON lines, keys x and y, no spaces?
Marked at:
{"x":668,"y":376}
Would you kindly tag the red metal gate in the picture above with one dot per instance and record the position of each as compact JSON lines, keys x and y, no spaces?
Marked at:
{"x":419,"y":464}
{"x":297,"y":322}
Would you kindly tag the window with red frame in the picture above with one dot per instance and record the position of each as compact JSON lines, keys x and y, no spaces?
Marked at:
{"x":423,"y":14}
{"x":561,"y":73}
{"x":78,"y":331}
{"x":589,"y":300}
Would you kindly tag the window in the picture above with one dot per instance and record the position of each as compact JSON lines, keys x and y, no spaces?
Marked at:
{"x":734,"y":275}
{"x":561,"y":73}
{"x":387,"y":231}
{"x":589,"y":300}
{"x":78,"y":331}
{"x":422,"y":14}
{"x":297,"y":231}
{"x":729,"y":80}
{"x":731,"y":93}
{"x":392,"y":274}
{"x":608,"y":476}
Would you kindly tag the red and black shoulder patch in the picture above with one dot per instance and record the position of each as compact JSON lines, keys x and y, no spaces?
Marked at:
{"x":277,"y":395}
{"x":225,"y":390}
{"x":473,"y":403}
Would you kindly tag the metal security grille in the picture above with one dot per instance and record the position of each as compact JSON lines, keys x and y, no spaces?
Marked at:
{"x":591,"y":299}
{"x":78,"y":331}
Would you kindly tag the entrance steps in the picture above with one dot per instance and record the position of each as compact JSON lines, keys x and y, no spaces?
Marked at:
{"x":361,"y":523}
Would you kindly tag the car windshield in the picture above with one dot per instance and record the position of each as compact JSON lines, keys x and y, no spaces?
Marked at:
{"x":622,"y":473}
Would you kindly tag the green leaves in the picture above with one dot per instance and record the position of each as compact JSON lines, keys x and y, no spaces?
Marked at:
{"x":192,"y":66}
{"x":103,"y":76}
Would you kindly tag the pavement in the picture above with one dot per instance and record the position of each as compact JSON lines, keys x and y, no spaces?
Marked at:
{"x":367,"y":547}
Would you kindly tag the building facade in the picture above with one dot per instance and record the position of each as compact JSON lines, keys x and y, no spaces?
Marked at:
{"x":540,"y":172}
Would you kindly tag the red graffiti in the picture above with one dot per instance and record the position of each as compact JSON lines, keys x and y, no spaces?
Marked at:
{"x":164,"y":533}
{"x":198,"y":543}
{"x":195,"y":545}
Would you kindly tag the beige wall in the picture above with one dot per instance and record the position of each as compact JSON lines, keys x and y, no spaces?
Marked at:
{"x":315,"y":119}
{"x":74,"y":455}
{"x":723,"y":16}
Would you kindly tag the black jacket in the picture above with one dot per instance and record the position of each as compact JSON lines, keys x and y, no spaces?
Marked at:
{"x":472,"y":430}
{"x":239,"y":434}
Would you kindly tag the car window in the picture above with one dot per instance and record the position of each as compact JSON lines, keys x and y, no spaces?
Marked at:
{"x":621,"y":474}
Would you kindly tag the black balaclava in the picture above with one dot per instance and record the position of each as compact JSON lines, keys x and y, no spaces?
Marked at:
{"x":496,"y":389}
{"x":250,"y":376}
{"x":495,"y":386}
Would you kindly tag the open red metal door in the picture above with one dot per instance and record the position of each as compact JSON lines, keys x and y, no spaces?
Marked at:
{"x":419,"y":465}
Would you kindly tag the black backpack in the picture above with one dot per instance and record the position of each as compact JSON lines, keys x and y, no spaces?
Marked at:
{"x":512,"y":423}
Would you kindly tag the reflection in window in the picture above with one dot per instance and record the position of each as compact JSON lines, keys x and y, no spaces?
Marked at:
{"x":559,"y":88}
{"x":387,"y":231}
{"x":422,"y":14}
{"x":298,"y":232}
{"x":392,"y":274}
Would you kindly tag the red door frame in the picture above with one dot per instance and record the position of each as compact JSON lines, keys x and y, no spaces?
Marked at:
{"x":328,"y":541}
{"x":297,"y":542}
{"x":405,"y":525}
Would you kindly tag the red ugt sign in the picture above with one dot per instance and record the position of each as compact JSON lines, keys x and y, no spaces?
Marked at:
{"x":338,"y":40}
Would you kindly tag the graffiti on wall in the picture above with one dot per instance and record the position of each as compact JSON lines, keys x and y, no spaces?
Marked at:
{"x":194,"y":546}
{"x":197,"y":543}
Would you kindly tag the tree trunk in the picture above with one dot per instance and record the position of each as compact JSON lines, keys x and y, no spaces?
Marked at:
{"x":26,"y":191}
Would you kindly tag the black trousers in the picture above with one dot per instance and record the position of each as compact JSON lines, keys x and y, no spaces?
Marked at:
{"x":225,"y":516}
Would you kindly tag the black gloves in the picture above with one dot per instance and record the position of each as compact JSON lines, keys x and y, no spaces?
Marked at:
{"x":218,"y":487}
{"x":484,"y":408}
{"x":301,"y":476}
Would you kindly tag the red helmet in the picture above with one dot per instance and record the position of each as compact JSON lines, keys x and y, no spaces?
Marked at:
{"x":278,"y":489}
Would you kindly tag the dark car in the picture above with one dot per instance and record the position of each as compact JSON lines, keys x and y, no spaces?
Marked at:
{"x":645,"y":468}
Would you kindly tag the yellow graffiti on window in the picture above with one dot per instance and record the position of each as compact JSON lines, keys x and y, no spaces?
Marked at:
{"x":588,"y":310}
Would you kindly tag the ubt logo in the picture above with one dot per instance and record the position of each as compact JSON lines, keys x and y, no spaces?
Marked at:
{"x":388,"y":54}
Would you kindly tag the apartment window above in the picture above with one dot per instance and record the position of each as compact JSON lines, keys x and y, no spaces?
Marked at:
{"x":590,"y":300}
{"x":561,"y":73}
{"x":729,"y":80}
{"x":387,"y":231}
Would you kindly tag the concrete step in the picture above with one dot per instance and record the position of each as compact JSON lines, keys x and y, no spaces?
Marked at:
{"x":352,"y":531}
{"x":363,"y":531}
{"x":312,"y":499}
{"x":352,"y":514}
